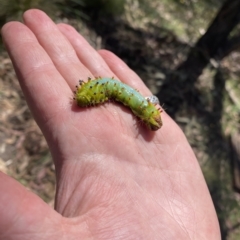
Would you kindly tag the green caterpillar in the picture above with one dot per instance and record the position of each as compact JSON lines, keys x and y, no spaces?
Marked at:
{"x":100,"y":90}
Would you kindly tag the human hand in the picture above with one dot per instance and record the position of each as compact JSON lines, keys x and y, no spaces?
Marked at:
{"x":115,"y":179}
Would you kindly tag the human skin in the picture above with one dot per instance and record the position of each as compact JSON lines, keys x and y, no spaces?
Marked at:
{"x":115,"y":178}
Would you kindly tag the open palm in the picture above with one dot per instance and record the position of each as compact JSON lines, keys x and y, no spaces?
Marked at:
{"x":115,"y":178}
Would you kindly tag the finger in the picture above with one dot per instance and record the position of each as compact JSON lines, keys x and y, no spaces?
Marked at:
{"x":123,"y":72}
{"x":45,"y":89}
{"x":57,"y":46}
{"x":23,"y":214}
{"x":85,"y":52}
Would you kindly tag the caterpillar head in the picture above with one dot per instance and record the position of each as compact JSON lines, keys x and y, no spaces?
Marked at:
{"x":151,"y":116}
{"x":154,"y":123}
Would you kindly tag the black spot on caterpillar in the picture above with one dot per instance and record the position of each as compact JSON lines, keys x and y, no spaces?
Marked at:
{"x":100,"y":90}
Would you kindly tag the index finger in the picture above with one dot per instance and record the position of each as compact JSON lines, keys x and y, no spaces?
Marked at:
{"x":40,"y":81}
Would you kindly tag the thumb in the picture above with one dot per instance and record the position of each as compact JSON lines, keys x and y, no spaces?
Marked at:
{"x":23,"y":215}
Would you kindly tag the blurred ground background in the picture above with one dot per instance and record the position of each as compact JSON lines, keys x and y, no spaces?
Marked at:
{"x":167,"y":43}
